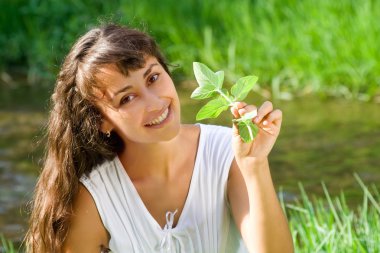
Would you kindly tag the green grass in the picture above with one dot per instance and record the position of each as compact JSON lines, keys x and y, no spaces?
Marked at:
{"x":295,"y":47}
{"x":6,"y":245}
{"x":330,"y":225}
{"x":327,"y":225}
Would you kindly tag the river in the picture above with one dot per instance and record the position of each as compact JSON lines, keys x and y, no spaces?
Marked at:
{"x":321,"y":140}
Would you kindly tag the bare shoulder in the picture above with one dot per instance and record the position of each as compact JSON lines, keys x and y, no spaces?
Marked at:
{"x":86,"y":230}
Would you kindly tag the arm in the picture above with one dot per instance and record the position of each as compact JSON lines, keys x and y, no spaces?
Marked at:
{"x":86,"y":231}
{"x":254,"y":204}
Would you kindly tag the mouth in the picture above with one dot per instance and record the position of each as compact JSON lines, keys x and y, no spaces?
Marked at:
{"x":160,"y":120}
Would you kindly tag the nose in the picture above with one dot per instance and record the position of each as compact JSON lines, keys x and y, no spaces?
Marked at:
{"x":153,"y":101}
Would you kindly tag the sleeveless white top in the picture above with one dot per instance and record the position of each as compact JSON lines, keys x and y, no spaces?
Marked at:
{"x":205,"y":224}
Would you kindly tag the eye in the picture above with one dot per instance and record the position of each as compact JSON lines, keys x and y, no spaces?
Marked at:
{"x":153,"y":78}
{"x":126,"y":99}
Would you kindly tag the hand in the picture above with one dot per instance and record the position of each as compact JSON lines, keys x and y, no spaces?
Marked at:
{"x":269,"y":123}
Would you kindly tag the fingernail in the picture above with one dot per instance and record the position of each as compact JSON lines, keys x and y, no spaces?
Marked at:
{"x":265,"y":123}
{"x":257,"y":120}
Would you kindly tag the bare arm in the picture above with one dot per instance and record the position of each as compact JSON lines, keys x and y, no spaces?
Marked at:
{"x":257,"y":211}
{"x":254,"y":204}
{"x":86,"y":233}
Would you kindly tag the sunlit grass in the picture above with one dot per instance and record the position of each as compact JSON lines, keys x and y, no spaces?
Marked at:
{"x":295,"y":47}
{"x":326,"y":224}
{"x":330,"y":225}
{"x":6,"y":245}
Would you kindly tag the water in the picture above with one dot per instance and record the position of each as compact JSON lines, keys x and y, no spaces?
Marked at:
{"x":321,"y":140}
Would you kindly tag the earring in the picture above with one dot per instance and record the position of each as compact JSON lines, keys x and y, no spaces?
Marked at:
{"x":108,"y":134}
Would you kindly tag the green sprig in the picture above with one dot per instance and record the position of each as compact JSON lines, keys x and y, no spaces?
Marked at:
{"x":210,"y":86}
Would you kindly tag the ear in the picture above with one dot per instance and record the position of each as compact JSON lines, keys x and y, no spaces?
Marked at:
{"x":106,"y":126}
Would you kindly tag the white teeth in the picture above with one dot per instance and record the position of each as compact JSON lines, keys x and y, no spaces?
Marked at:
{"x":159,"y":119}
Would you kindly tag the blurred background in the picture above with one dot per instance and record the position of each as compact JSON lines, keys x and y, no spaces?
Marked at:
{"x":319,"y":61}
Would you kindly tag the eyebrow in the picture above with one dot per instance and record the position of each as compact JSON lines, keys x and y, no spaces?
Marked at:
{"x":129,"y":86}
{"x":149,"y":69}
{"x":122,"y":90}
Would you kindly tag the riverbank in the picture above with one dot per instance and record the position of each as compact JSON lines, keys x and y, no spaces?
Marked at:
{"x":322,"y":140}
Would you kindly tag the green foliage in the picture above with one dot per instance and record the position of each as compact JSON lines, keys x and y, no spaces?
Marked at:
{"x":296,"y":47}
{"x":243,"y":86}
{"x":212,"y":109}
{"x":37,"y":34}
{"x":330,"y":225}
{"x":6,"y":246}
{"x":205,"y":77}
{"x":210,"y":86}
{"x":320,"y":224}
{"x":247,"y":130}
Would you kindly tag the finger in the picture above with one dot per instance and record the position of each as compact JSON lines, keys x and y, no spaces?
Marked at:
{"x":235,"y":130}
{"x":275,"y":117}
{"x":235,"y":107}
{"x":263,"y":111}
{"x":239,"y":108}
{"x":248,"y":108}
{"x":240,"y":104}
{"x":234,"y":112}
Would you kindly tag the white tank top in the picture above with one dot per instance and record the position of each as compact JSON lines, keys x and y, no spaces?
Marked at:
{"x":205,"y":224}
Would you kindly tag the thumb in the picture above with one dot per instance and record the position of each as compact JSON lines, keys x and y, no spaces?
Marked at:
{"x":235,"y":130}
{"x":236,"y":115}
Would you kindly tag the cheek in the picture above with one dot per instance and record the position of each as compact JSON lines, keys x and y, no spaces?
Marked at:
{"x":127,"y":114}
{"x":168,"y":83}
{"x":172,"y":90}
{"x":125,"y":125}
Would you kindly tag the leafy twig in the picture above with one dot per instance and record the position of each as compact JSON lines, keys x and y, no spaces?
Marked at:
{"x":210,"y":86}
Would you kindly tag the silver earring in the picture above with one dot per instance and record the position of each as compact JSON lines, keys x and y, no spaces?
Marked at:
{"x":108,"y":134}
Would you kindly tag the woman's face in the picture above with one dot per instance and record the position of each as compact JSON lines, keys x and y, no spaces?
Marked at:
{"x":141,"y":107}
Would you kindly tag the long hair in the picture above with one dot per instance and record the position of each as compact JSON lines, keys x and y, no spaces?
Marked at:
{"x":75,"y":143}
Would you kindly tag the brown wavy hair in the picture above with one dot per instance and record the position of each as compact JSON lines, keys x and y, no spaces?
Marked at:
{"x":74,"y":142}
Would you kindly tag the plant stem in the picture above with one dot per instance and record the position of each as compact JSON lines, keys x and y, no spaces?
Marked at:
{"x":225,"y":97}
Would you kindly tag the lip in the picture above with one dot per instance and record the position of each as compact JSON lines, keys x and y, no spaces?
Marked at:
{"x":165,"y":120}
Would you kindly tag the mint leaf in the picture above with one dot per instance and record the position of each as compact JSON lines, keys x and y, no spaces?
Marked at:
{"x":210,"y":85}
{"x":220,"y":76}
{"x":242,"y":87}
{"x":247,"y":130}
{"x":226,"y":95}
{"x":202,"y":92}
{"x":205,"y":76}
{"x":212,"y":109}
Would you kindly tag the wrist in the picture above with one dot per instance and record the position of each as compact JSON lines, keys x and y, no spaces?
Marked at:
{"x":253,"y":166}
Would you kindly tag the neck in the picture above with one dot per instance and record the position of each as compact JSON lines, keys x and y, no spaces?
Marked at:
{"x":157,"y":160}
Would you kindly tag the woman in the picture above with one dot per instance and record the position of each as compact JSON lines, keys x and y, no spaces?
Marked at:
{"x":122,"y":172}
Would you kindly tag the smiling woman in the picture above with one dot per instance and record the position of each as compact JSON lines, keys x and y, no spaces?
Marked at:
{"x":122,"y":173}
{"x":138,"y":102}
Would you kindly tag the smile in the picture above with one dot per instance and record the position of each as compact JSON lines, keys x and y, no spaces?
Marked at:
{"x":160,"y":119}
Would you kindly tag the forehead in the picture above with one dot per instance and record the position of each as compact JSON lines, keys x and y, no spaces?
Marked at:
{"x":109,"y":78}
{"x":109,"y":72}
